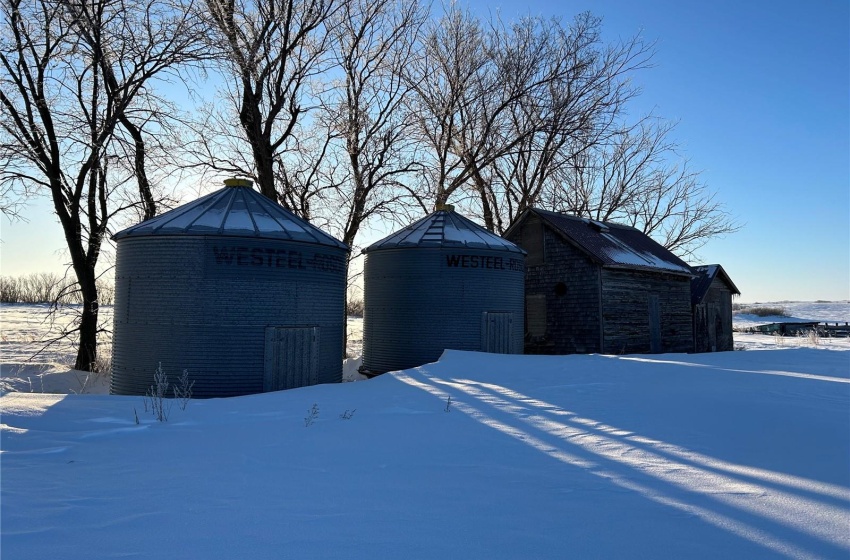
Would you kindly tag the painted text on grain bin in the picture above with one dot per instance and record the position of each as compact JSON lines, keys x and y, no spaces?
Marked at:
{"x":267,"y":257}
{"x":481,"y":261}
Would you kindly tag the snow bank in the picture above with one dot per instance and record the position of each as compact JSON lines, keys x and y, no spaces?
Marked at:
{"x":730,"y":455}
{"x":50,"y":378}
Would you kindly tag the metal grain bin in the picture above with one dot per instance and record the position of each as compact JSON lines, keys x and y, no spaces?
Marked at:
{"x":235,"y":289}
{"x":442,"y":282}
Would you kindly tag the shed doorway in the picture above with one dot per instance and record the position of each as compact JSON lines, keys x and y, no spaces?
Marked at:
{"x":291,"y":358}
{"x":715,"y":327}
{"x":654,"y":324}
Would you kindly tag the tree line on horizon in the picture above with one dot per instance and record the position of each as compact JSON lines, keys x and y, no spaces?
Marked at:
{"x":345,"y":112}
{"x":50,"y":288}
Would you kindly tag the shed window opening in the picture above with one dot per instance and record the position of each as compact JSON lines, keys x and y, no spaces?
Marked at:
{"x":534,"y":243}
{"x":560,"y":289}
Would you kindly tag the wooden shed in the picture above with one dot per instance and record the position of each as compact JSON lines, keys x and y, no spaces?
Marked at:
{"x":711,"y":297}
{"x":598,"y":287}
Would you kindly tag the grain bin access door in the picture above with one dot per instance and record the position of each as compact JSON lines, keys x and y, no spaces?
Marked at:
{"x":496,"y":332}
{"x":291,"y":358}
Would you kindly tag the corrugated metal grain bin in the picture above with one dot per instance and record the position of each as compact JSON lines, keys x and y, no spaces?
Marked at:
{"x":243,"y":294}
{"x":442,"y":282}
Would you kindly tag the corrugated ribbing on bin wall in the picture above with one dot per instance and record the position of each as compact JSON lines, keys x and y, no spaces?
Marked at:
{"x":225,"y":307}
{"x":441,"y":289}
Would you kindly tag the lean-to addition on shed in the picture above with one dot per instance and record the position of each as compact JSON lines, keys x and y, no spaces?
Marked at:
{"x":711,"y":297}
{"x":442,"y":282}
{"x":235,"y":289}
{"x":600,"y":287}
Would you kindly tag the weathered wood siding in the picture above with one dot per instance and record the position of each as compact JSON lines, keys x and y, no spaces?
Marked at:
{"x":568,"y":281}
{"x":626,"y":300}
{"x":713,"y":320}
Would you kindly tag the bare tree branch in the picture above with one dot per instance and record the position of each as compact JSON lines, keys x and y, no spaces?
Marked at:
{"x":71,"y":73}
{"x":270,"y":52}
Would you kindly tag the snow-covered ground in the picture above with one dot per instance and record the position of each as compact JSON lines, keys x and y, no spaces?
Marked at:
{"x":727,"y":455}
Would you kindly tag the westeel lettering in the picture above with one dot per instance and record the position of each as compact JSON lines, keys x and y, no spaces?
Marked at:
{"x":276,"y":258}
{"x":223,"y":255}
{"x":480,"y":261}
{"x":257,"y":256}
{"x":242,"y":256}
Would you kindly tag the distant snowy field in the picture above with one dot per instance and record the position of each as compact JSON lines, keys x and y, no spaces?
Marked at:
{"x":825,"y":311}
{"x":728,"y":455}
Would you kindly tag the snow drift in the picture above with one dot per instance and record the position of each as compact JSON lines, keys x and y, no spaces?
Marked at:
{"x":732,"y":455}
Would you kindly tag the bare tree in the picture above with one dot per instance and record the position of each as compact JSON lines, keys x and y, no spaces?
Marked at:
{"x":374,"y":41}
{"x":452,"y":79}
{"x":368,"y":149}
{"x":639,"y":178}
{"x":534,"y":113}
{"x":306,"y":175}
{"x":576,"y":111}
{"x":12,"y":194}
{"x":270,"y":52}
{"x":76,"y":76}
{"x":484,"y":90}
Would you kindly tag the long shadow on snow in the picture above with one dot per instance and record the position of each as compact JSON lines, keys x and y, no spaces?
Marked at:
{"x":719,"y":500}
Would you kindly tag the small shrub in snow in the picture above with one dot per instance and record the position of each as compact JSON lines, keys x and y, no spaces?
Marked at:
{"x":41,"y":378}
{"x":160,"y":406}
{"x":183,"y":389}
{"x":103,"y":362}
{"x":448,"y":404}
{"x":312,"y":415}
{"x":348,"y":414}
{"x":812,"y":336}
{"x":84,"y":381}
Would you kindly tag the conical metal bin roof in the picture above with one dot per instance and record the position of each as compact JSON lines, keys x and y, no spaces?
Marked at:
{"x":237,"y":210}
{"x":444,"y":229}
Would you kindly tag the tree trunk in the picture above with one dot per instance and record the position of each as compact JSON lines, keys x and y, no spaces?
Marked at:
{"x":145,"y":194}
{"x":264,"y":159}
{"x":84,"y":269}
{"x":441,"y":199}
{"x":87,"y":351}
{"x":84,"y":265}
{"x":486,"y":209}
{"x":252,"y":122}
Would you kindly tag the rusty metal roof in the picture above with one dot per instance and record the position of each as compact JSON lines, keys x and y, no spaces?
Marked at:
{"x":613,"y":244}
{"x":705,"y":276}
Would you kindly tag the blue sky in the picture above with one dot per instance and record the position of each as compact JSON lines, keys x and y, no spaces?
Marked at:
{"x":761,"y":92}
